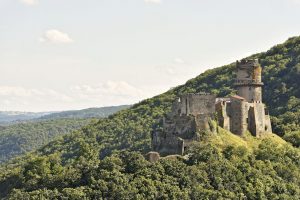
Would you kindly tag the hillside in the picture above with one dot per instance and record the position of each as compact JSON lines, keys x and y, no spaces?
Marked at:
{"x":70,"y":167}
{"x":13,"y":117}
{"x":7,"y":117}
{"x":86,"y":113}
{"x":20,"y":137}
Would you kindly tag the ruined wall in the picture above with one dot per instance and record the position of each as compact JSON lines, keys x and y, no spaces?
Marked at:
{"x":249,"y":70}
{"x":167,"y":144}
{"x":193,"y":104}
{"x":181,"y":126}
{"x":251,"y":121}
{"x":239,"y":116}
{"x":204,"y":124}
{"x":243,"y":116}
{"x":268,"y":126}
{"x":223,"y":114}
{"x":260,"y":122}
{"x":191,"y":114}
{"x":260,"y":118}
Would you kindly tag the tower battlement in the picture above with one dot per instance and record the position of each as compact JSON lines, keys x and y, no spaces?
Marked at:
{"x":248,"y":63}
{"x":248,"y":80}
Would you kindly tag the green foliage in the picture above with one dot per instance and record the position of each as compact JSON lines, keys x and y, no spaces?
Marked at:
{"x":92,"y":163}
{"x":86,"y":113}
{"x":208,"y":173}
{"x":20,"y":138}
{"x":293,"y":138}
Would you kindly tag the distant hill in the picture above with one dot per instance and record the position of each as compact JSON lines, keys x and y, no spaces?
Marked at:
{"x":15,"y":116}
{"x":86,"y":113}
{"x":12,"y":117}
{"x":24,"y":132}
{"x":17,"y":139}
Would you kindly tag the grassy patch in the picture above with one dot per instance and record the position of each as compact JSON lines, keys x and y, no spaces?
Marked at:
{"x":225,"y":138}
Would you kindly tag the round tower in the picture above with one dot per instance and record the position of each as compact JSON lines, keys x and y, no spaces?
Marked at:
{"x":248,"y":80}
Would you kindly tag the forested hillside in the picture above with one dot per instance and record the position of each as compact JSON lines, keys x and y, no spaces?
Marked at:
{"x":12,"y":116}
{"x":86,"y":113}
{"x":97,"y":161}
{"x":22,"y":136}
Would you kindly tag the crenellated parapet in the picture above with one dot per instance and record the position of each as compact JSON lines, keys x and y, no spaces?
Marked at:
{"x":249,"y":80}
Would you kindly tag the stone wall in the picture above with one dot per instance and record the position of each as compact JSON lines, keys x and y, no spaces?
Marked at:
{"x":248,"y":81}
{"x":239,"y":116}
{"x":167,"y":144}
{"x":250,"y":93}
{"x":223,"y":114}
{"x":191,"y":115}
{"x":181,"y":126}
{"x":260,"y":122}
{"x":193,"y":104}
{"x":268,"y":126}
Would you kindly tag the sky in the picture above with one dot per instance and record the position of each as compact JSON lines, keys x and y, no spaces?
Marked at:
{"x":74,"y":54}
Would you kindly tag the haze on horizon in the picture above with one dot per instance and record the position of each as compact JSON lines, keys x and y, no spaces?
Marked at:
{"x":74,"y":54}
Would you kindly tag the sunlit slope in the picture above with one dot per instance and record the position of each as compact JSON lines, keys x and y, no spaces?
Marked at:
{"x":225,"y":138}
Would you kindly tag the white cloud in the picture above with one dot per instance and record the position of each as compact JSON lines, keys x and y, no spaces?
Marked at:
{"x":295,"y":1}
{"x":153,"y":1}
{"x":76,"y":97}
{"x":179,"y":61}
{"x":108,"y":93}
{"x":114,"y":89}
{"x":21,"y":92}
{"x":177,"y":67}
{"x":55,"y":36}
{"x":30,"y":2}
{"x":21,"y":98}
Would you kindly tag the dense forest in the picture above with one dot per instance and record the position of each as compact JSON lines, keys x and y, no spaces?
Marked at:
{"x":9,"y":117}
{"x":104,"y":160}
{"x":19,"y":137}
{"x":86,"y":113}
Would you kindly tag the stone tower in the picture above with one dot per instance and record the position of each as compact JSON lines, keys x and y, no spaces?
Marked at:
{"x":248,"y":80}
{"x":245,"y":111}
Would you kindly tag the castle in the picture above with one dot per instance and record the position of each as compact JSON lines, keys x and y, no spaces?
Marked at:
{"x":196,"y":114}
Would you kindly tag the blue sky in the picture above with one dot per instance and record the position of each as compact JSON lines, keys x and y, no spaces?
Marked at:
{"x":73,"y":54}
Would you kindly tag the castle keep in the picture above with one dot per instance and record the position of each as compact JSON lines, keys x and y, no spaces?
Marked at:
{"x":194,"y":114}
{"x":245,"y":111}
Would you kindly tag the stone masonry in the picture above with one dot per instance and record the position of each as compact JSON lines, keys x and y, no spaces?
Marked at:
{"x":193,"y":114}
{"x":245,"y":111}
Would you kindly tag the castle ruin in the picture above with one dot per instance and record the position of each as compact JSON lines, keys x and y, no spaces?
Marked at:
{"x":194,"y":114}
{"x":191,"y":114}
{"x":245,"y":111}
